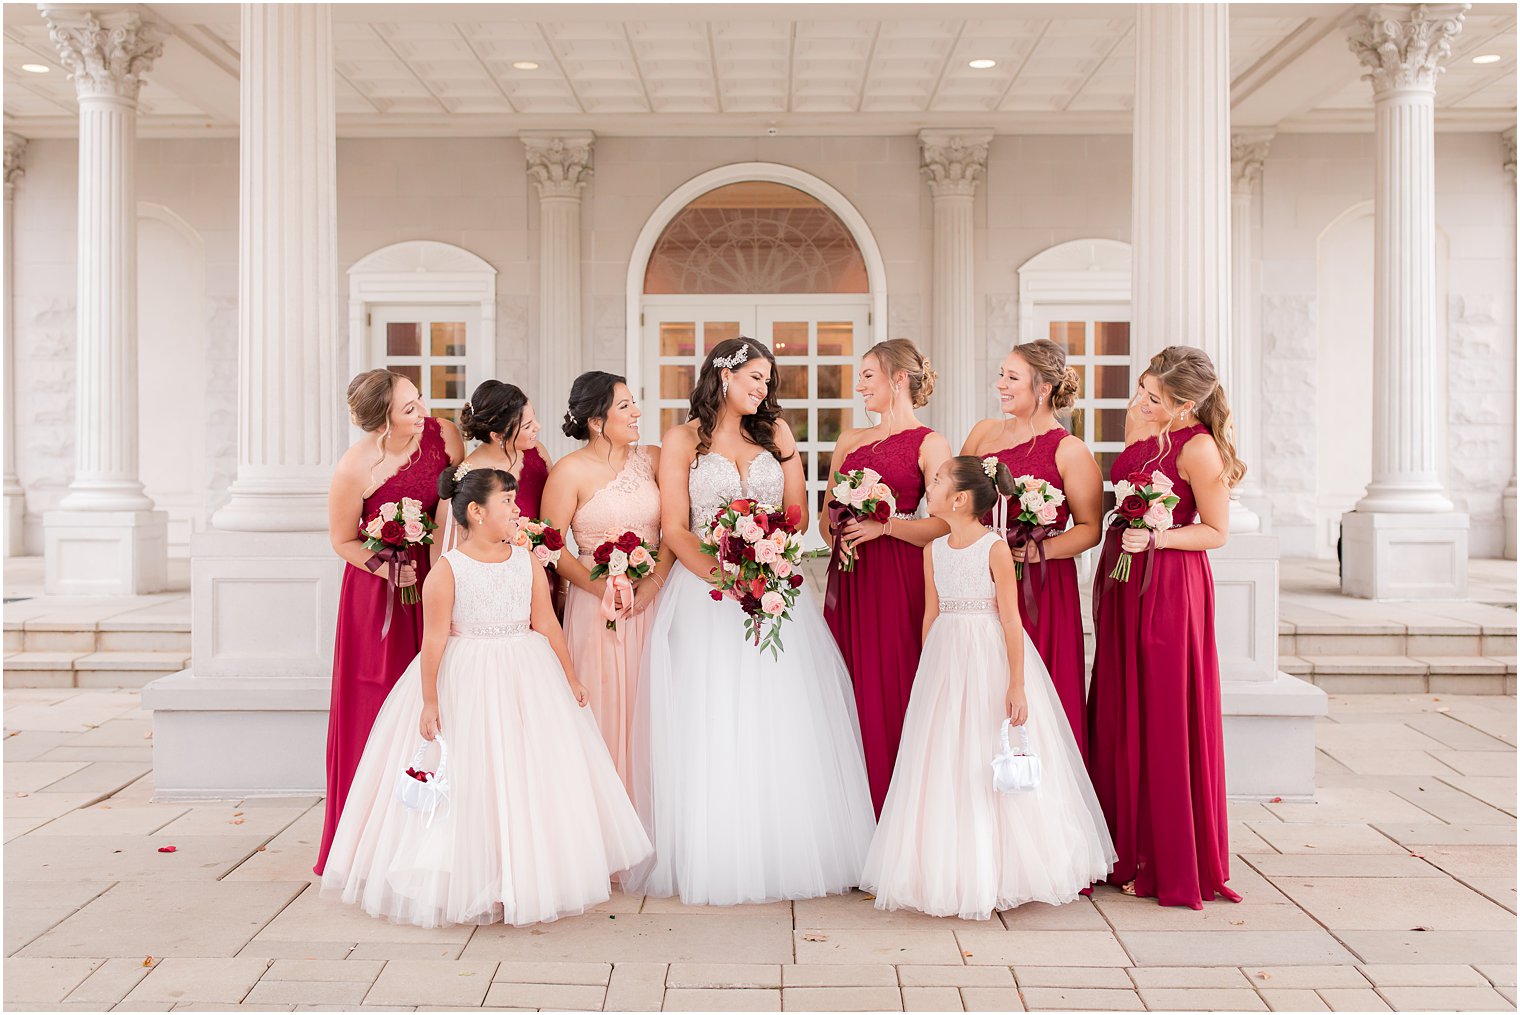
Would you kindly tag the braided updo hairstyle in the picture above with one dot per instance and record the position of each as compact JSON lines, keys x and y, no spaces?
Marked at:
{"x":591,"y":397}
{"x":1047,"y":361}
{"x":495,"y":407}
{"x":900,"y":355}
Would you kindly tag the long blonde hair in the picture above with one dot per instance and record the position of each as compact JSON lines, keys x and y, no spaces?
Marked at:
{"x":1186,"y":374}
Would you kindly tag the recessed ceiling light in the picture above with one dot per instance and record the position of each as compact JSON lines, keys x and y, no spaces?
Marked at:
{"x":982,"y":64}
{"x":39,"y":68}
{"x":524,"y":65}
{"x":1487,"y":58}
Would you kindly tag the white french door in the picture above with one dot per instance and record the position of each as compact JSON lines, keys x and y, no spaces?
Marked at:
{"x":438,"y":346}
{"x":817,"y":341}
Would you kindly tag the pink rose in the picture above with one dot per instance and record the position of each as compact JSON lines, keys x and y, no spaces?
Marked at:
{"x":750,"y":530}
{"x":1158,"y":516}
{"x":1047,"y":514}
{"x":1161,"y":481}
{"x":859,"y":495}
{"x":373,"y":529}
{"x":534,"y":528}
{"x":638,"y":557}
{"x":782,"y":567}
{"x":521,"y":539}
{"x":772,"y":603}
{"x":881,"y":491}
{"x":413,"y":530}
{"x":541,"y":554}
{"x":1032,"y":500}
{"x":767,"y":552}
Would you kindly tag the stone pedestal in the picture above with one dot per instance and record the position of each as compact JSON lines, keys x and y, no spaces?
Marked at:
{"x":560,"y":167}
{"x":1404,"y":556}
{"x":954,"y":162}
{"x":106,"y":55}
{"x":250,"y":716}
{"x":1403,"y":47}
{"x":1269,"y":715}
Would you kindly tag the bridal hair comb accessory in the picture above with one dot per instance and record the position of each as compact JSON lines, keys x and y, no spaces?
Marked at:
{"x":465,"y":468}
{"x":989,"y":466}
{"x":570,"y":416}
{"x":735,"y":361}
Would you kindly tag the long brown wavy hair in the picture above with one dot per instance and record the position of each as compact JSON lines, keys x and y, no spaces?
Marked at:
{"x":1186,"y":374}
{"x":707,"y":399}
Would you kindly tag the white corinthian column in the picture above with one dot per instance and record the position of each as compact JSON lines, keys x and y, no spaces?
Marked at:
{"x":106,"y":539}
{"x":1508,"y":499}
{"x":560,"y":167}
{"x":1240,"y":353}
{"x":15,"y":497}
{"x":954,"y":162}
{"x":1404,"y":540}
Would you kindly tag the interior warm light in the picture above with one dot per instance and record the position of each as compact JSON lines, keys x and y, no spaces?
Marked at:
{"x":1487,"y":58}
{"x":524,"y":65}
{"x":983,"y":64}
{"x":35,"y":68}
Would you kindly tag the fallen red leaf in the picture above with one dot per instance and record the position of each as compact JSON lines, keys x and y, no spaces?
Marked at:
{"x":147,"y":960}
{"x":168,"y":849}
{"x":1277,"y":800}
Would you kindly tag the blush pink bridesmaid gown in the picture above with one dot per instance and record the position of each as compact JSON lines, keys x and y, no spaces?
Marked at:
{"x":607,"y":662}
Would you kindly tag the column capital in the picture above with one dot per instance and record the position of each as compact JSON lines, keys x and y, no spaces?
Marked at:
{"x":954,"y":161}
{"x":106,"y":54}
{"x":1248,"y":153}
{"x":559,"y":164}
{"x":1405,"y":45}
{"x":15,"y":156}
{"x":1507,"y":139}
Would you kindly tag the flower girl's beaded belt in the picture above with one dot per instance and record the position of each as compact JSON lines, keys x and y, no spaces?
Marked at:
{"x":516,"y":629}
{"x":968,"y":606}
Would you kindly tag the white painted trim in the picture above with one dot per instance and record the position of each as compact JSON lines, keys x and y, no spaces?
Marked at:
{"x":422,"y":271}
{"x":1078,"y":271}
{"x":744,"y":172}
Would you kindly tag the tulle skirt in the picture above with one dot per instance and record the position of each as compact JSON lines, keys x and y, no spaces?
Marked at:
{"x":537,"y":820}
{"x":748,"y":772}
{"x":607,"y":664}
{"x":949,"y":844}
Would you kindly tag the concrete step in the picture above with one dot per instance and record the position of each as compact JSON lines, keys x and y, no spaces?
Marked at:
{"x":84,"y":636}
{"x":90,"y":669}
{"x":1405,"y":674}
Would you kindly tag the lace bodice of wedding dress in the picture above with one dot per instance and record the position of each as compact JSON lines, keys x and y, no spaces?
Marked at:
{"x":715,"y":481}
{"x":490,"y":595}
{"x":964,"y":574}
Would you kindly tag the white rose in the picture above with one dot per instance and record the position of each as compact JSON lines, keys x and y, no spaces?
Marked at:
{"x":869,"y":477}
{"x":1122,"y":489}
{"x":388,"y":511}
{"x":1032,"y":500}
{"x":841,"y":493}
{"x":411,"y":509}
{"x":617,"y":563}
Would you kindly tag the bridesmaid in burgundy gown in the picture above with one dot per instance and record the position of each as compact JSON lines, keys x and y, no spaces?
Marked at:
{"x":501,"y":418}
{"x":1156,"y":747}
{"x":876,"y":612}
{"x":1034,"y":386}
{"x":402,"y":454}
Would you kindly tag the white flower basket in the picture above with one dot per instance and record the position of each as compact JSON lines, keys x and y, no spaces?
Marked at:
{"x":1015,"y":772}
{"x":425,"y":797}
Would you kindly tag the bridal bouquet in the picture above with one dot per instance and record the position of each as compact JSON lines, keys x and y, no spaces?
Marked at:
{"x":858,"y":494}
{"x":1038,"y":502}
{"x":1144,"y":502}
{"x":541,"y":539}
{"x":622,"y":561}
{"x":759,"y":551}
{"x":396,"y":528}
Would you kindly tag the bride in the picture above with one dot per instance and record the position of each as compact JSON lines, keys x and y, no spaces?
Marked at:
{"x":749,"y":775}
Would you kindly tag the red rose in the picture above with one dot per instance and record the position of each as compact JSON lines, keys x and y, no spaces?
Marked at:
{"x":757,"y":587}
{"x":749,"y":553}
{"x":883,"y":511}
{"x":1133,"y":507}
{"x":392,"y":532}
{"x":742,"y":506}
{"x":553,"y":540}
{"x":627,"y":541}
{"x":603,"y":553}
{"x":717,"y":595}
{"x":793,"y":517}
{"x":795,"y":581}
{"x":1139,"y":479}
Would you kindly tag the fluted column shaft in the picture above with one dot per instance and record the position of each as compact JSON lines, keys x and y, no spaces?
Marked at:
{"x":1240,"y":354}
{"x":106,"y":55}
{"x":15,"y":497}
{"x":954,"y":162}
{"x":1403,"y":46}
{"x":560,"y":167}
{"x":1180,"y":216}
{"x":288,"y":385}
{"x":1508,"y":498}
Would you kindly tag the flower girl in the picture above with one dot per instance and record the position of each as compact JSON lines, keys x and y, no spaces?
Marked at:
{"x":949,"y":843}
{"x":535,"y":819}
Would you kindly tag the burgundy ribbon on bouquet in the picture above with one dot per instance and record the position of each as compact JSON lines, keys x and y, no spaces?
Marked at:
{"x":1110,"y":557}
{"x":391,"y":556}
{"x":838,"y":515}
{"x":1032,"y":535}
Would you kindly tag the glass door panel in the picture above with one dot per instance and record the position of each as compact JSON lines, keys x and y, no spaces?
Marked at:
{"x":430,"y":346}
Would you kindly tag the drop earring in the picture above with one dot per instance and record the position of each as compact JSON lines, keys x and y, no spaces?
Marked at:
{"x":725,"y":389}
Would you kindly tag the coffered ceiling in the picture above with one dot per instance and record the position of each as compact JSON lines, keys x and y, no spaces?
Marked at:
{"x":651,"y":69}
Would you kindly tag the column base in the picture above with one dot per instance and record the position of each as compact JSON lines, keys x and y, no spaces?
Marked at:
{"x":15,"y":523}
{"x":263,"y":604}
{"x":1404,"y":556}
{"x":229,"y":738}
{"x":1269,"y":737}
{"x":1245,"y":607}
{"x":105,"y":553}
